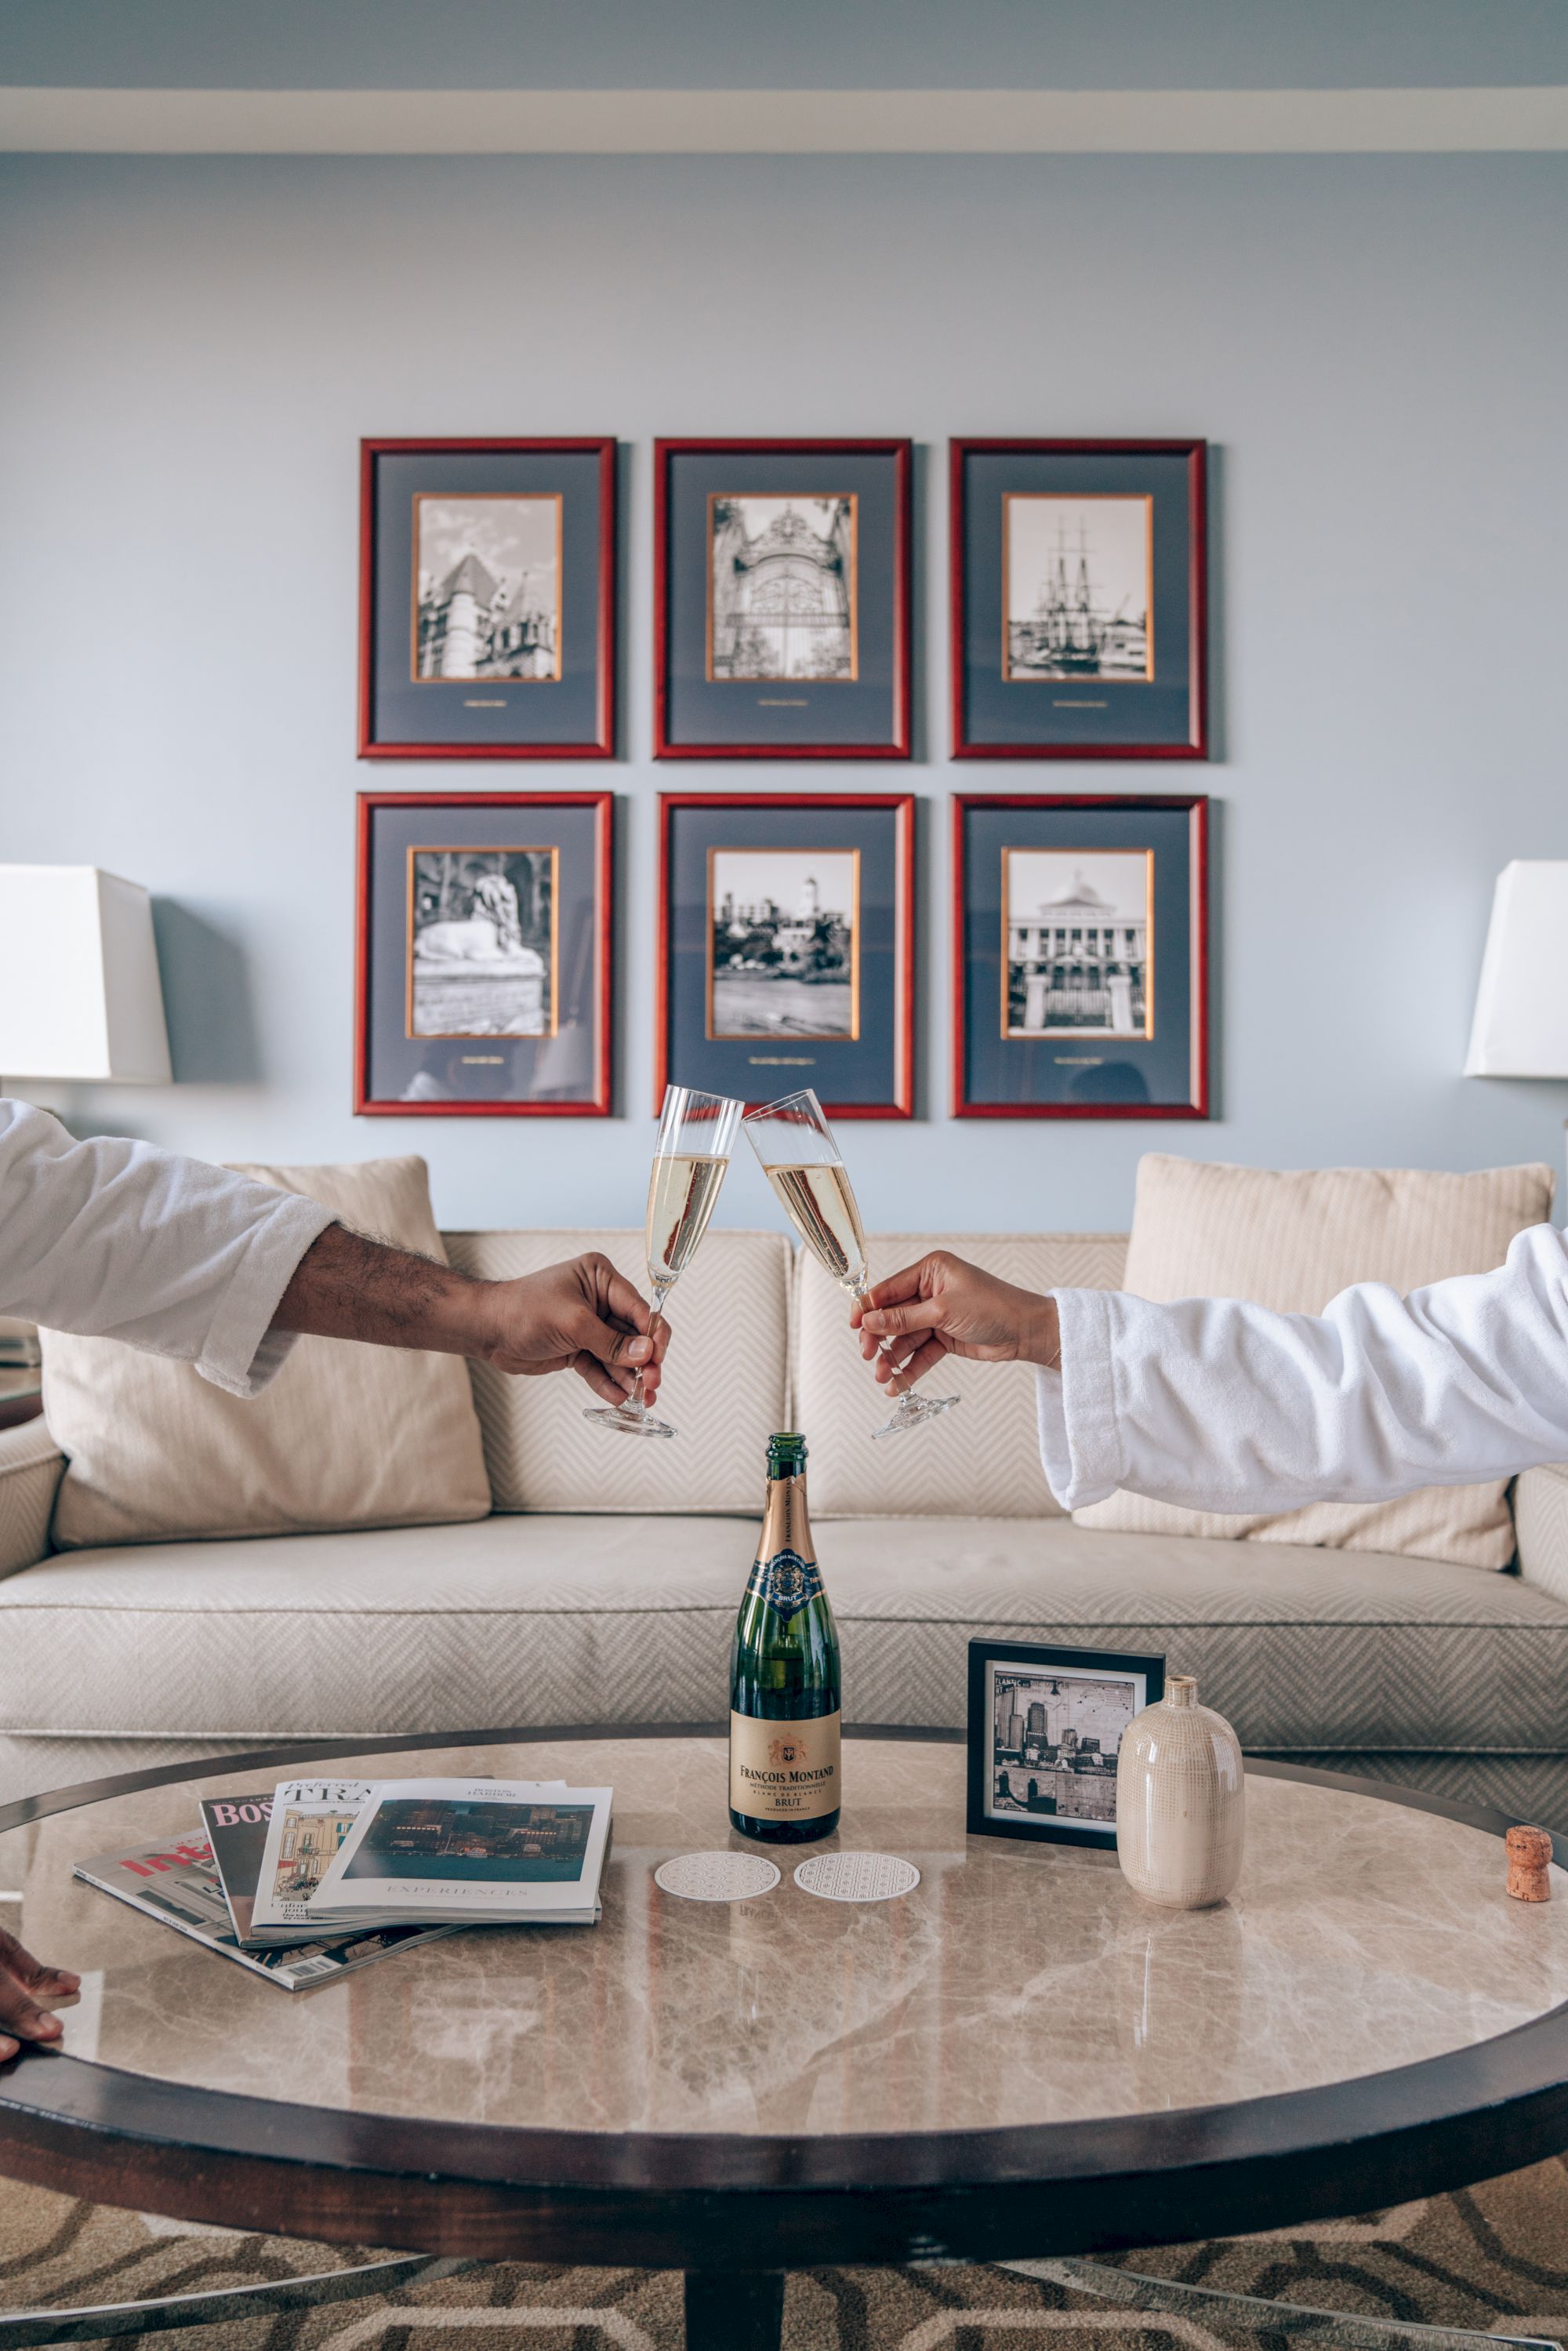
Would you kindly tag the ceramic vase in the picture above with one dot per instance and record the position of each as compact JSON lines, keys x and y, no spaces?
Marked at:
{"x":1180,"y":1801}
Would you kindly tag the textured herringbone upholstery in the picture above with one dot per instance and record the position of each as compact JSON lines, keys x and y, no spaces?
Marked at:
{"x":31,"y":1464}
{"x":1540,"y":1525}
{"x":725,"y":1389}
{"x":985,"y":1459}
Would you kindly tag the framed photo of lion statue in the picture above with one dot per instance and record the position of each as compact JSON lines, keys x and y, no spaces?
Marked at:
{"x":483,"y":944}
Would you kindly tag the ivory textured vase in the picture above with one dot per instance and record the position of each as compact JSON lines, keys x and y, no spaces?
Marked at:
{"x":1180,"y":1800}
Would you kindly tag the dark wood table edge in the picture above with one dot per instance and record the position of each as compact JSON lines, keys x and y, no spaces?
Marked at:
{"x":749,"y":2202}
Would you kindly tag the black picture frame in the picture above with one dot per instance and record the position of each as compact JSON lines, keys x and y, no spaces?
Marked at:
{"x":1049,"y":1023}
{"x":1052,"y":661}
{"x":723,"y":1033}
{"x":1146,"y":1676}
{"x":844,"y":691}
{"x":537,"y":676}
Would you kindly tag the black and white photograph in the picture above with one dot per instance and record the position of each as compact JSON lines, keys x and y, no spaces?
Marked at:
{"x":783,"y":589}
{"x":481,"y":932}
{"x":1078,"y":943}
{"x":1078,"y":584}
{"x":1045,"y":1731}
{"x":784,"y":948}
{"x":487,"y":588}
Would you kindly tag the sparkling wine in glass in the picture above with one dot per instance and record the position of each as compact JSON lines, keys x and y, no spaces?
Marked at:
{"x":696,"y":1135}
{"x":799,"y":1158}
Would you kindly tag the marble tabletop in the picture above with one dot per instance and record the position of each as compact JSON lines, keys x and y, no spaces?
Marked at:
{"x":1016,"y":1984}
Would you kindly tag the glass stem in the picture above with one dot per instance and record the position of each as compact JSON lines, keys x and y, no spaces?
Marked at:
{"x":860,"y":1290}
{"x":661,"y":1291}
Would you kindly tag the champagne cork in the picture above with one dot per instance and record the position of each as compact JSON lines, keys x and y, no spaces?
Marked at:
{"x":1528,"y":1853}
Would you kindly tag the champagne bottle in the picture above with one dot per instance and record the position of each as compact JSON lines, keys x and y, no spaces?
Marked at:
{"x":784,"y":1675}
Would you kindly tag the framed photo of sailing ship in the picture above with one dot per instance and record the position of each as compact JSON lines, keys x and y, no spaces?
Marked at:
{"x":1079,"y":599}
{"x":483,"y":956}
{"x":786,"y":948}
{"x":486,"y":599}
{"x":1081,"y":955}
{"x":781,"y":600}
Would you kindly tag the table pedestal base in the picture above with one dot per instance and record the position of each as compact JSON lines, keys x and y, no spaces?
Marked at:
{"x":744,"y":2312}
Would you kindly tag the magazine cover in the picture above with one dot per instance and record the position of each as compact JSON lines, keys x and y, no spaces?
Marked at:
{"x":308,"y":1821}
{"x":236,"y":1830}
{"x":178,"y":1884}
{"x":485,"y":1849}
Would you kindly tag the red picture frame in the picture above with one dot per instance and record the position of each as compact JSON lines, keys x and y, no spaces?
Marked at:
{"x":602,"y":745}
{"x":966,"y":744}
{"x":666,"y":745}
{"x":598,"y":1103}
{"x":901,"y":806}
{"x":1196,"y":807}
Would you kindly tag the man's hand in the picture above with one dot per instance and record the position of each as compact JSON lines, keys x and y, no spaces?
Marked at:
{"x":24,"y":1984}
{"x":579,"y":1316}
{"x":944,"y":1307}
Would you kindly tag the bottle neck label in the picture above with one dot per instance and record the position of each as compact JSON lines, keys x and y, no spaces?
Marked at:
{"x":785,"y":1581}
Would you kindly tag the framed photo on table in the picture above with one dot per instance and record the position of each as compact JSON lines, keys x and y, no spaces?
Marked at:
{"x":1081,"y":955}
{"x":1045,"y":1732}
{"x":781,"y":600}
{"x":486,"y":599}
{"x":484,"y":954}
{"x":786,"y":948}
{"x":1079,"y":599}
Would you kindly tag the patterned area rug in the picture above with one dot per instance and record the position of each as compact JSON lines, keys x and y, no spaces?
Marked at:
{"x":1494,"y":2259}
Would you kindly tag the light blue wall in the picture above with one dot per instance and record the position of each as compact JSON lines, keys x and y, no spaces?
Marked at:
{"x":1377,"y":348}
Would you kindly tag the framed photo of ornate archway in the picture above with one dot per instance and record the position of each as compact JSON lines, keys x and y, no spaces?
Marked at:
{"x":781,"y":600}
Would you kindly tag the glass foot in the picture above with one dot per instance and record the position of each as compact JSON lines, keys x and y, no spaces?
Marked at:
{"x":632,"y":1419}
{"x":913,"y":1411}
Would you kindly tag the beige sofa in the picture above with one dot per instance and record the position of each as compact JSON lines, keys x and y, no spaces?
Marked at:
{"x":602,"y":1586}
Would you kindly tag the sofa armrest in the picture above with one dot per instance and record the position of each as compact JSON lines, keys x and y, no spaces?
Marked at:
{"x":30,"y":1468}
{"x":1540,"y":1523}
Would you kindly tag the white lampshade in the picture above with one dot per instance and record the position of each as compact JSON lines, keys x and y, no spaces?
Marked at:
{"x":79,"y":992}
{"x":1521,"y":1028}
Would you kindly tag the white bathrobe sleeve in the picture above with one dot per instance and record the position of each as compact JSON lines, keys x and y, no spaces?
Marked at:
{"x":114,"y":1239}
{"x":1220,"y":1405}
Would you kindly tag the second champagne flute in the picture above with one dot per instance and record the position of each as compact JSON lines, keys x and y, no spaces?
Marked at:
{"x":696,"y":1135}
{"x":792,"y":1139}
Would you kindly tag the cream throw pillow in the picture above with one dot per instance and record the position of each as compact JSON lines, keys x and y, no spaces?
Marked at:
{"x":1293,"y":1242}
{"x":343,"y":1435}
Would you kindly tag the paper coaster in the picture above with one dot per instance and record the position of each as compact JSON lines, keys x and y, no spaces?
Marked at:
{"x":716,"y":1877}
{"x":857,"y":1876}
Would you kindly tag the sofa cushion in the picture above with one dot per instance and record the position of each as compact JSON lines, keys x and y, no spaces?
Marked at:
{"x":1293,"y":1241}
{"x":343,"y":1435}
{"x":982,"y":1460}
{"x":556,"y":1619}
{"x":725,"y":1387}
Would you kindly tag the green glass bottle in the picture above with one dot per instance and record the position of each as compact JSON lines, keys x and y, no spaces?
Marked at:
{"x":784,"y":1675}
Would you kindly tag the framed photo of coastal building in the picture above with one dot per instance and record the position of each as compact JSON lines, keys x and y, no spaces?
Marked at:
{"x":486,"y":599}
{"x":781,"y":600}
{"x":1079,"y":599}
{"x":786,"y":948}
{"x":1045,"y":1732}
{"x":1081,"y":955}
{"x":484,"y":943}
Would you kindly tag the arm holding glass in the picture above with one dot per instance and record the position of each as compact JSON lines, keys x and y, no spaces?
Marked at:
{"x":1217,"y":1405}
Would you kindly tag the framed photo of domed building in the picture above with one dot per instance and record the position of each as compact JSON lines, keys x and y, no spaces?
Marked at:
{"x":782,"y":600}
{"x":1079,"y":599}
{"x":484,"y":953}
{"x":487,"y":600}
{"x":1081,"y":948}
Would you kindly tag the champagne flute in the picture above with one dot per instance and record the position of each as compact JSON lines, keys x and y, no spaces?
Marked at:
{"x":696,"y":1135}
{"x":801,"y":1160}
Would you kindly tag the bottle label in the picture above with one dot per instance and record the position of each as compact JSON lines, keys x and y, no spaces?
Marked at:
{"x":787,"y":1582}
{"x":784,"y":1770}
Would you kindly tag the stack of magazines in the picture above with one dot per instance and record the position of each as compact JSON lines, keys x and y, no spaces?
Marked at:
{"x":307,"y":1880}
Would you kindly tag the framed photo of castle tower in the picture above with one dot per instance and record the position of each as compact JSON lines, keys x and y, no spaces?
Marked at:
{"x":486,"y":599}
{"x":781,"y":600}
{"x":1079,"y":599}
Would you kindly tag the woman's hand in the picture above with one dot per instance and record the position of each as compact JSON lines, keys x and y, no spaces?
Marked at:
{"x":943,"y":1306}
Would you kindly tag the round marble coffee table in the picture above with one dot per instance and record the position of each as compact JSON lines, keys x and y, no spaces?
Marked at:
{"x":1018,"y":2059}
